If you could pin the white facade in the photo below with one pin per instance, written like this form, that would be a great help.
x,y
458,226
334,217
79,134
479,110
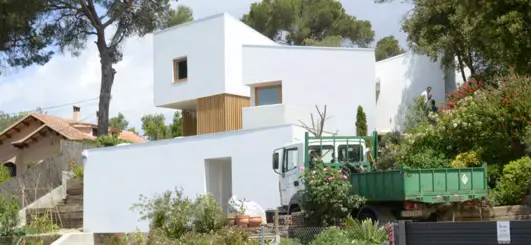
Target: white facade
x,y
224,164
341,78
402,79
226,57
213,50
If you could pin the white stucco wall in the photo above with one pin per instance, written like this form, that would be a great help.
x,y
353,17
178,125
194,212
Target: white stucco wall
x,y
237,34
275,115
202,42
403,78
116,176
340,78
213,47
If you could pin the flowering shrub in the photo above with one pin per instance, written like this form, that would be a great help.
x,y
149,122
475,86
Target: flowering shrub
x,y
327,198
466,160
467,89
492,118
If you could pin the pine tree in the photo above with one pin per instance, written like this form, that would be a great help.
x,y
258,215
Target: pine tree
x,y
361,122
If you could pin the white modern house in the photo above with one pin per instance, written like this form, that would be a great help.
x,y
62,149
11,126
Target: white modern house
x,y
242,96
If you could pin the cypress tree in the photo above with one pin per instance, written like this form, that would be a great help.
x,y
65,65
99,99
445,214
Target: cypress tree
x,y
361,122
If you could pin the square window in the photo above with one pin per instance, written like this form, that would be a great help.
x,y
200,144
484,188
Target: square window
x,y
268,95
180,70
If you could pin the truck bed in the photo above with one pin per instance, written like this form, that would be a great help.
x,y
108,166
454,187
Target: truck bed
x,y
437,185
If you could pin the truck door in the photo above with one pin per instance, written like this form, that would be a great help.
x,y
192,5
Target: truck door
x,y
290,168
278,167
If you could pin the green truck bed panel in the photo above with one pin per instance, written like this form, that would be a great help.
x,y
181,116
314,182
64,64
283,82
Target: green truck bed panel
x,y
422,185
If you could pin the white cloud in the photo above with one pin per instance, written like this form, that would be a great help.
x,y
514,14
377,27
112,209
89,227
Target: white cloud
x,y
67,79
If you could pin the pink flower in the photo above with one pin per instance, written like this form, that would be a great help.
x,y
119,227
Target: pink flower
x,y
388,228
301,168
345,177
330,179
324,169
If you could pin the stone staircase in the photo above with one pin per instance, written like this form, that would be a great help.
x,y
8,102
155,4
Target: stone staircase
x,y
67,214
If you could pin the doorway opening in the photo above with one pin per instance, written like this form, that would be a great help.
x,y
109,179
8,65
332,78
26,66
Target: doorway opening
x,y
218,173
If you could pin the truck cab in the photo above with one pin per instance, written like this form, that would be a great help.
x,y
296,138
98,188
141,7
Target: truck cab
x,y
290,161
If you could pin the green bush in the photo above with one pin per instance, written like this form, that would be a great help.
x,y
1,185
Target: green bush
x,y
514,183
466,160
170,213
355,232
367,232
209,216
493,118
327,198
286,241
176,219
426,158
108,140
42,224
332,235
5,174
9,218
389,146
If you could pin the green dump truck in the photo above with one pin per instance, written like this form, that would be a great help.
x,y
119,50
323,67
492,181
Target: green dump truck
x,y
414,194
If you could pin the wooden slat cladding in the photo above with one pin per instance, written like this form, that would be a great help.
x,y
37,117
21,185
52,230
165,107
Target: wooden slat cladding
x,y
233,111
220,113
189,123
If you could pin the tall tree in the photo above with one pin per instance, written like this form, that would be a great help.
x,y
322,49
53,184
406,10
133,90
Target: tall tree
x,y
308,22
119,122
433,30
487,37
361,122
23,37
110,22
183,14
176,127
387,47
7,120
133,129
155,128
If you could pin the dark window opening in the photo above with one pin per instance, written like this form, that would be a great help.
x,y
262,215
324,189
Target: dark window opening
x,y
180,69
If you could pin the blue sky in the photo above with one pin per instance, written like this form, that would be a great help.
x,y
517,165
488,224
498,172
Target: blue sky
x,y
67,79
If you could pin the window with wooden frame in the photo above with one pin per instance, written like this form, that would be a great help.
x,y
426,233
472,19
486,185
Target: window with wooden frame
x,y
268,95
180,69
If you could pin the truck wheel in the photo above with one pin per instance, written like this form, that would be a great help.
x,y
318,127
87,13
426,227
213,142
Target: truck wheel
x,y
380,214
366,213
294,209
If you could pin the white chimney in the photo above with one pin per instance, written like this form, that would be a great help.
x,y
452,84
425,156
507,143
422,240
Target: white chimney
x,y
77,109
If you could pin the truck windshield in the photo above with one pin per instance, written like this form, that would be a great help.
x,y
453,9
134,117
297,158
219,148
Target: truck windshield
x,y
327,155
351,154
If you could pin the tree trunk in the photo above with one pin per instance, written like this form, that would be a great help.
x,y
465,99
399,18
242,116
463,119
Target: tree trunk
x,y
107,80
461,68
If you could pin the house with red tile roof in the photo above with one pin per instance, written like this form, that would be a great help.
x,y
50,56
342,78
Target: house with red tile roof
x,y
37,137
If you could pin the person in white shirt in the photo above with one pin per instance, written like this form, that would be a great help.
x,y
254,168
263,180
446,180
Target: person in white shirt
x,y
426,95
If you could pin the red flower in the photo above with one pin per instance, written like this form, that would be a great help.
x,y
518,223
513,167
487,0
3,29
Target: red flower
x,y
516,118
